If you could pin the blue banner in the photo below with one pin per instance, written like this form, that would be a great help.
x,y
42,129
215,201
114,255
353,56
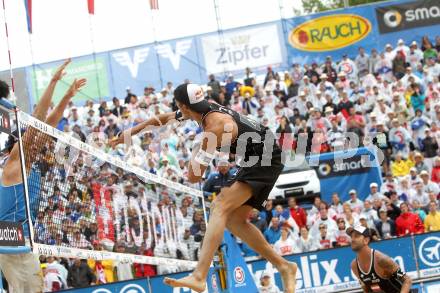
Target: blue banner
x,y
341,171
428,254
335,33
319,271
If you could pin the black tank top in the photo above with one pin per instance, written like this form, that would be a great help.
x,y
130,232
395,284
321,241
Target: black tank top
x,y
247,127
376,284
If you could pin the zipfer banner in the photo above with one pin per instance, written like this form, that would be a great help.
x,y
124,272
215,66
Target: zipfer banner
x,y
319,271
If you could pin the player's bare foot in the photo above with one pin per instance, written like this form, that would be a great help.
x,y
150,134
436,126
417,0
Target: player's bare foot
x,y
288,275
187,282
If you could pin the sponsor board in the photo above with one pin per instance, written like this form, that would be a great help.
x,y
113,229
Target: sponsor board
x,y
397,17
11,234
243,48
96,75
330,32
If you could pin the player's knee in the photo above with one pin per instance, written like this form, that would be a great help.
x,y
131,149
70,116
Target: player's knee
x,y
220,207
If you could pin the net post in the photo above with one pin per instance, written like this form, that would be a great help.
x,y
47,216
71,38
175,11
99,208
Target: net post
x,y
24,176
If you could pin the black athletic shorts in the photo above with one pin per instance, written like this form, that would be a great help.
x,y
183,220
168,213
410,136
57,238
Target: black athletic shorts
x,y
260,178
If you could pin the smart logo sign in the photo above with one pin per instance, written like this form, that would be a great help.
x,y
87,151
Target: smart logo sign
x,y
329,32
405,16
239,49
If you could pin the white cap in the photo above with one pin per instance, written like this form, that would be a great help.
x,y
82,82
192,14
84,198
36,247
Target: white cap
x,y
265,275
352,191
318,92
323,76
374,184
301,93
424,172
414,43
305,77
388,46
400,41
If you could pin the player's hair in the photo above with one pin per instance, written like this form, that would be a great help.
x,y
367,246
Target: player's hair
x,y
4,89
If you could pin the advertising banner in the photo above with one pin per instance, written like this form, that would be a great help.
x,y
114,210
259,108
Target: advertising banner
x,y
236,50
97,79
342,171
334,33
428,254
399,17
11,234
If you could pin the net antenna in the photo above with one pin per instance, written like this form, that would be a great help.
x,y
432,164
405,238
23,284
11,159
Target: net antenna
x,y
130,205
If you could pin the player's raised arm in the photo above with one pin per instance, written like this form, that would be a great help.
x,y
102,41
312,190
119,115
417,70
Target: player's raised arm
x,y
154,122
43,105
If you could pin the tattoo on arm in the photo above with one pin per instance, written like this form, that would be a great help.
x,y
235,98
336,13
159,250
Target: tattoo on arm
x,y
388,266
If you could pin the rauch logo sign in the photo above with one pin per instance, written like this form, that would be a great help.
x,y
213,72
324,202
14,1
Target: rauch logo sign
x,y
330,32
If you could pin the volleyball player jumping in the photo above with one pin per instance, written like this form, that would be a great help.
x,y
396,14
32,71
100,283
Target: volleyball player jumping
x,y
227,131
22,271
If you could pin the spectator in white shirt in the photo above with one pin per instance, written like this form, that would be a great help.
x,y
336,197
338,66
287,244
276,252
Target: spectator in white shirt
x,y
354,202
266,284
420,195
285,245
428,185
341,236
306,242
351,216
323,219
369,213
325,240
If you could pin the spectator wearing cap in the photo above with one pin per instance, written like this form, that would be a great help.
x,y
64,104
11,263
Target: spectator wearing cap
x,y
419,163
217,180
354,202
428,185
341,238
432,220
408,222
375,194
400,167
415,56
297,212
266,285
385,226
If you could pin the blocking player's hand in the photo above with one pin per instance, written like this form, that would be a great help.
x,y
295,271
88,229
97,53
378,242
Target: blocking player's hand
x,y
59,73
76,86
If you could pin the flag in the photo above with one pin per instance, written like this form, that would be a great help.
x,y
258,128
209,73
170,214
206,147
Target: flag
x,y
154,4
28,7
91,6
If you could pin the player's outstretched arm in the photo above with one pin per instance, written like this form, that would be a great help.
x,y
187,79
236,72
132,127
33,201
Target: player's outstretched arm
x,y
154,122
43,105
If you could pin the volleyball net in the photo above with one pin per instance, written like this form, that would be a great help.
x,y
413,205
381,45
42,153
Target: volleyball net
x,y
86,202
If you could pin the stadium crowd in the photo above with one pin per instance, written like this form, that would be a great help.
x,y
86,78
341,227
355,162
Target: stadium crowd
x,y
389,98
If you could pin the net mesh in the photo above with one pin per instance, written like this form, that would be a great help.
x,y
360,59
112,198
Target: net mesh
x,y
87,203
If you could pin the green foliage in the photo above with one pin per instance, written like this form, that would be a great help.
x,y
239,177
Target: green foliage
x,y
313,6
